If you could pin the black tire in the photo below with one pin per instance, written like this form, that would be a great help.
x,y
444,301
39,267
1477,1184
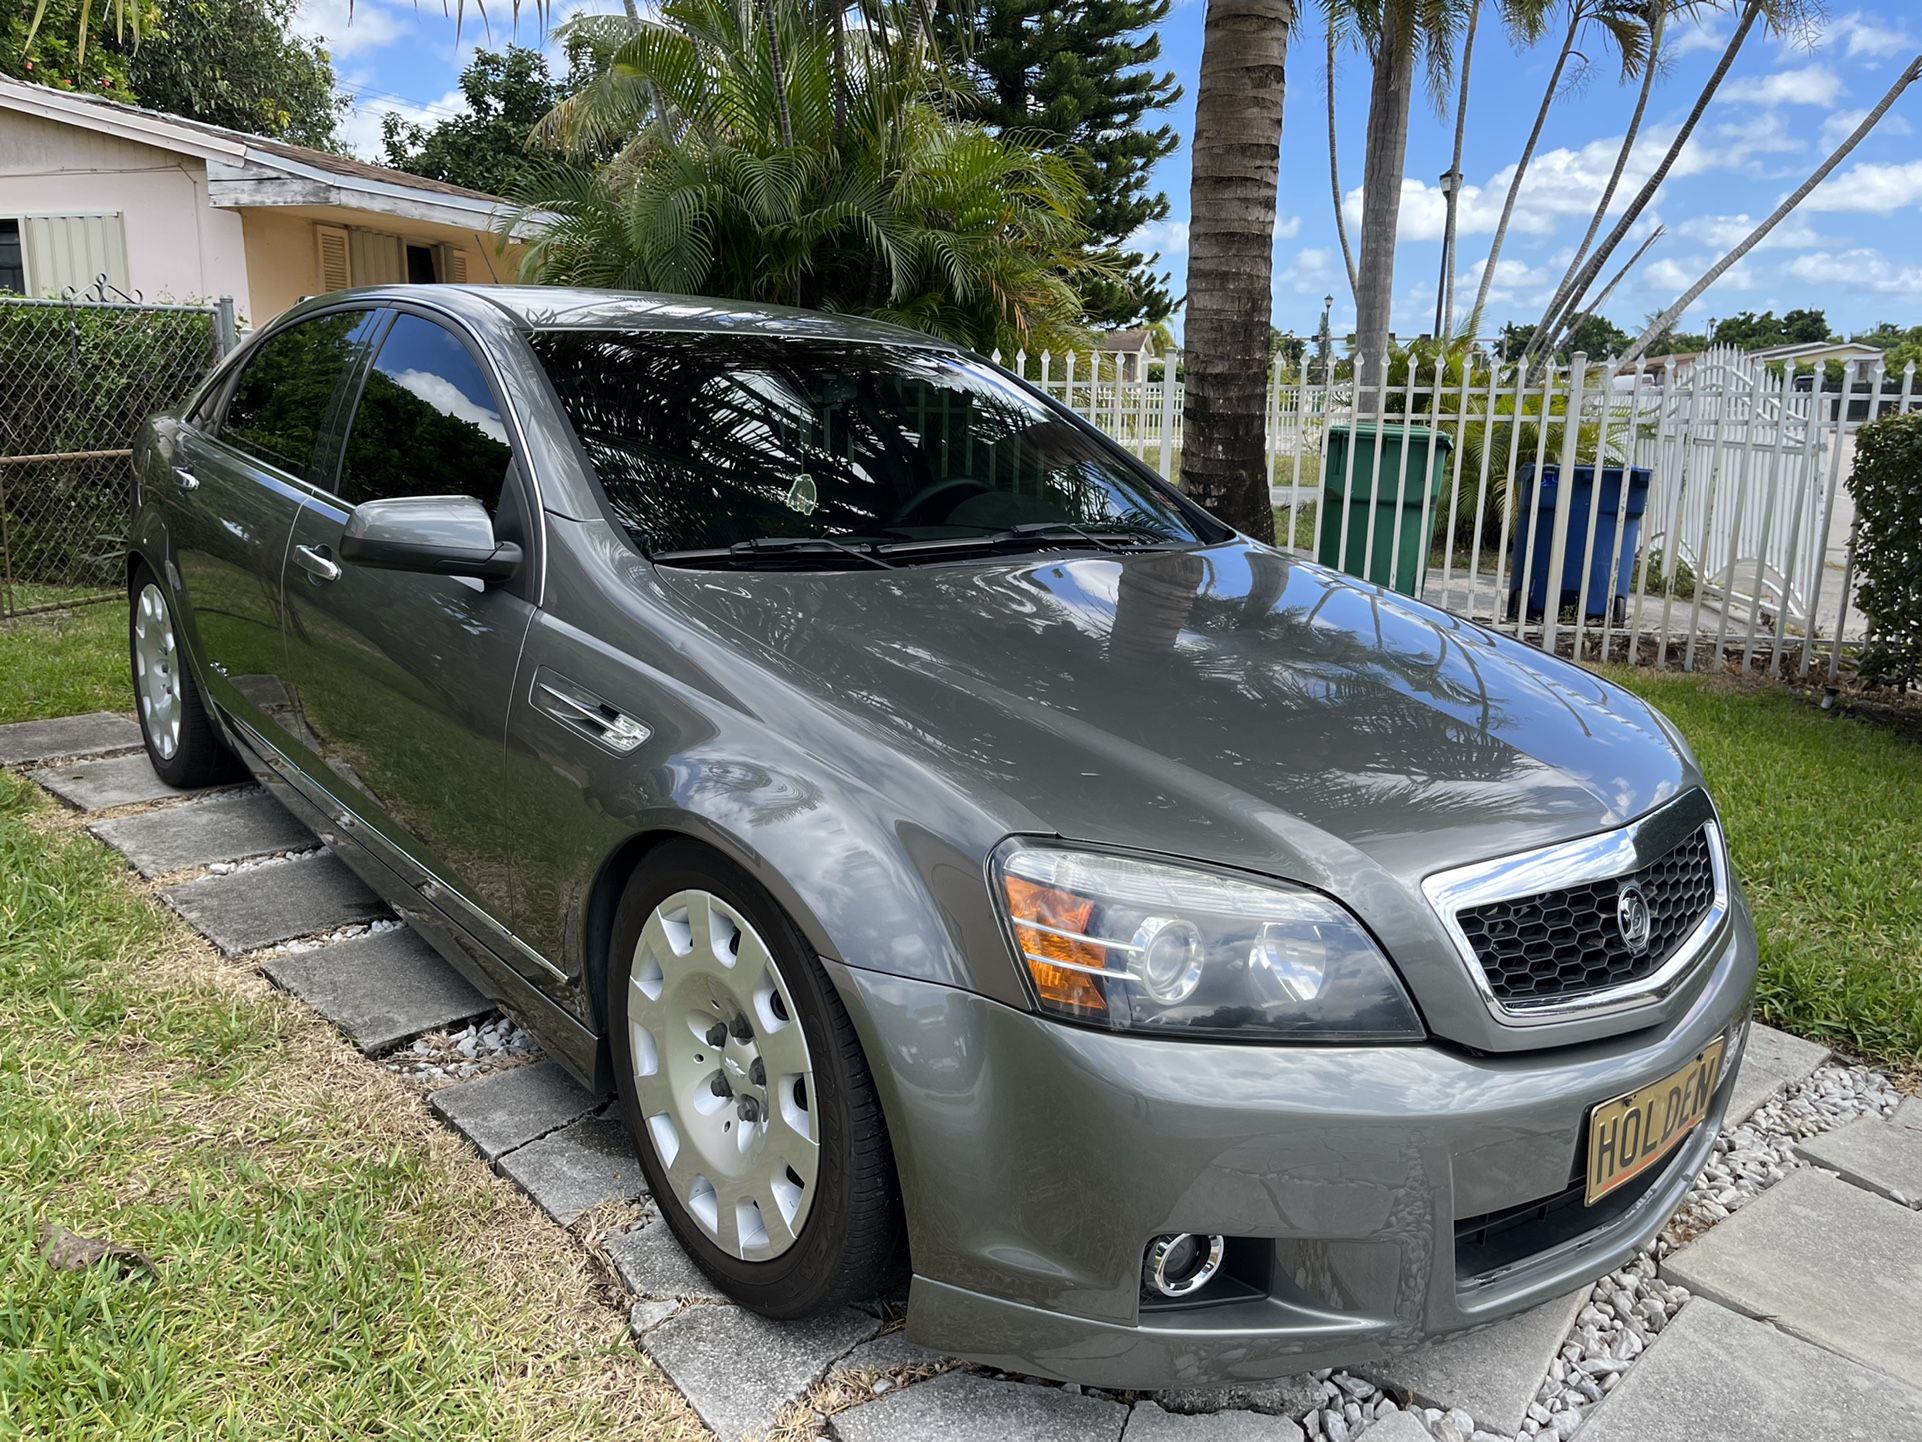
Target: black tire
x,y
849,1244
199,755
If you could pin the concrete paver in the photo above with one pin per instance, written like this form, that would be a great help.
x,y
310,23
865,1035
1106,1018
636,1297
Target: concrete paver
x,y
1823,1260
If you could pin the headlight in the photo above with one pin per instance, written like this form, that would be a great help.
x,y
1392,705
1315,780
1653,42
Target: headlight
x,y
1157,947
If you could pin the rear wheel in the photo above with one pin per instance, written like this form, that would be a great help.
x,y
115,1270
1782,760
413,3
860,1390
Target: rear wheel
x,y
182,742
746,1090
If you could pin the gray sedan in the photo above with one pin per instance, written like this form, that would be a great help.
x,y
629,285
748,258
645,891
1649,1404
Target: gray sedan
x,y
967,860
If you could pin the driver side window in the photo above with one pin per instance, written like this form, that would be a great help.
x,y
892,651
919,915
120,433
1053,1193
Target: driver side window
x,y
428,423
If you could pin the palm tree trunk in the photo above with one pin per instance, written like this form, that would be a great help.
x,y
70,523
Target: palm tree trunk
x,y
1455,169
779,73
1388,105
633,13
1667,318
1521,169
840,77
1231,257
1334,167
1593,266
1536,341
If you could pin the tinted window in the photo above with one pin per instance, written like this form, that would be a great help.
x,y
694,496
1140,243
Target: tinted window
x,y
701,441
427,423
13,267
280,400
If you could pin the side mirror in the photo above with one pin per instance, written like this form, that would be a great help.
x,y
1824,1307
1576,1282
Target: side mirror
x,y
442,535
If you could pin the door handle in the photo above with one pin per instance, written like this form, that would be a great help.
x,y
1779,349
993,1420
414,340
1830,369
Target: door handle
x,y
188,480
320,567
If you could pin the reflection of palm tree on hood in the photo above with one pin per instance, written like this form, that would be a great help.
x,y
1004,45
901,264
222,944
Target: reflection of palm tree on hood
x,y
1137,698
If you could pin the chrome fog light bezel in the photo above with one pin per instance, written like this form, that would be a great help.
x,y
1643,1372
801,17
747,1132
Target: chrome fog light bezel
x,y
1154,1266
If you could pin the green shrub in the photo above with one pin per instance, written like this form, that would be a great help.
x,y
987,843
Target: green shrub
x,y
80,378
1887,486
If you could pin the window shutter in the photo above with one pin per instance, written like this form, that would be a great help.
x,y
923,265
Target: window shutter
x,y
453,264
336,271
377,257
73,250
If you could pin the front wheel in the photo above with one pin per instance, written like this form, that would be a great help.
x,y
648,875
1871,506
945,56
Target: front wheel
x,y
182,743
746,1090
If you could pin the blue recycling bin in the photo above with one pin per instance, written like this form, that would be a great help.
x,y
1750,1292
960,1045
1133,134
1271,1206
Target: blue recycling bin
x,y
1591,529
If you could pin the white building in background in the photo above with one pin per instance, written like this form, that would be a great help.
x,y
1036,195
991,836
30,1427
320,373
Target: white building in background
x,y
171,209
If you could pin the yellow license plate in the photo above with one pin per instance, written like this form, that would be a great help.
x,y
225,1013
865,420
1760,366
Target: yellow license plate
x,y
1630,1134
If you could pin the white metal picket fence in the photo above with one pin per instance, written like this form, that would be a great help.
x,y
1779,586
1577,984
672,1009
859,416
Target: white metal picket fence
x,y
1743,552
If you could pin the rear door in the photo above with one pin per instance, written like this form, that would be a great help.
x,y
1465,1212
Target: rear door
x,y
400,681
237,481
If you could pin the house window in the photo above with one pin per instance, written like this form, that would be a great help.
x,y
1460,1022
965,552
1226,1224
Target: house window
x,y
420,265
13,267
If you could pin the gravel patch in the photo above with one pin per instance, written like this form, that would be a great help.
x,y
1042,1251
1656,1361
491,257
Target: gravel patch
x,y
485,1045
227,868
1629,1308
328,938
1750,1158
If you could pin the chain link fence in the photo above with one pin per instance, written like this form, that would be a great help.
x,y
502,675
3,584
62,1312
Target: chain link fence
x,y
77,376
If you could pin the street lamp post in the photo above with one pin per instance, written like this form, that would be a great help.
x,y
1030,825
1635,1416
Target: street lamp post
x,y
1451,181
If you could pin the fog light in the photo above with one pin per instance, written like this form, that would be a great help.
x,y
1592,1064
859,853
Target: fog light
x,y
1181,1263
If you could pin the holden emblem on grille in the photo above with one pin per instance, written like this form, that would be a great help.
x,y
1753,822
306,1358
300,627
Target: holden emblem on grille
x,y
1631,914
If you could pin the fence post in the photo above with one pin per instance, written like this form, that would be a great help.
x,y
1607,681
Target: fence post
x,y
1565,503
1170,360
225,332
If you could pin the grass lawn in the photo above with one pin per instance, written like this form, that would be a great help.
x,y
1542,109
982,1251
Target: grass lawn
x,y
63,663
1824,817
328,1261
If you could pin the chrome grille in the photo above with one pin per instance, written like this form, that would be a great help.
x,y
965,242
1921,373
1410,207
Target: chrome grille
x,y
1565,943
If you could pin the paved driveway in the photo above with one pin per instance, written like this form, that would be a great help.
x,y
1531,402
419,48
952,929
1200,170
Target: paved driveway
x,y
1780,1303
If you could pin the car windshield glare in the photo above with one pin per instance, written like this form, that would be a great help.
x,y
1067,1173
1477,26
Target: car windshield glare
x,y
704,442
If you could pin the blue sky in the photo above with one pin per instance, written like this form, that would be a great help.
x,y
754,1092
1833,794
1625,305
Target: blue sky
x,y
1854,250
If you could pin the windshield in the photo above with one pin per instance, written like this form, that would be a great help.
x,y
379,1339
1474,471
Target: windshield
x,y
704,443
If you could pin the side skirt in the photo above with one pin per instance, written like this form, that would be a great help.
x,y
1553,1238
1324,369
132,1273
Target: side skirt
x,y
578,1048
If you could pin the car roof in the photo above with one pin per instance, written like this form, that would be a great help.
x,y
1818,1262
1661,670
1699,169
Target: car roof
x,y
543,307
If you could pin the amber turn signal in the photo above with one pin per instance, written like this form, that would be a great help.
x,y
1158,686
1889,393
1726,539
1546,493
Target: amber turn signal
x,y
1040,913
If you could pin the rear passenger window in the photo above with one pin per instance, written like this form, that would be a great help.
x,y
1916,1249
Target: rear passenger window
x,y
280,402
427,424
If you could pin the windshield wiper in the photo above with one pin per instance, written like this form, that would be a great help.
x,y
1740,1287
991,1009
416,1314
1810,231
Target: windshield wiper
x,y
767,547
1026,534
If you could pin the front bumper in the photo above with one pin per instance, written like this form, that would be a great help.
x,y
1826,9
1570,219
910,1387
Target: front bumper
x,y
1037,1160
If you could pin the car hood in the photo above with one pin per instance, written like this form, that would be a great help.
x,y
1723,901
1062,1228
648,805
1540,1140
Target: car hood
x,y
1231,704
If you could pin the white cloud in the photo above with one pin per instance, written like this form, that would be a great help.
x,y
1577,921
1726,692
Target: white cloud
x,y
1313,270
360,128
1516,283
1160,237
1841,125
1671,276
1871,188
1863,38
444,396
1287,227
1806,85
1861,269
1703,34
1725,232
351,27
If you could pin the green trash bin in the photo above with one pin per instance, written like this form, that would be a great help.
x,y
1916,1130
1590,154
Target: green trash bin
x,y
1375,501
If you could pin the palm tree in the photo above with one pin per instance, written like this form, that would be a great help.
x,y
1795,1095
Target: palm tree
x,y
756,154
1781,16
1231,257
1659,324
1334,166
1657,27
1622,21
1396,34
1452,200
